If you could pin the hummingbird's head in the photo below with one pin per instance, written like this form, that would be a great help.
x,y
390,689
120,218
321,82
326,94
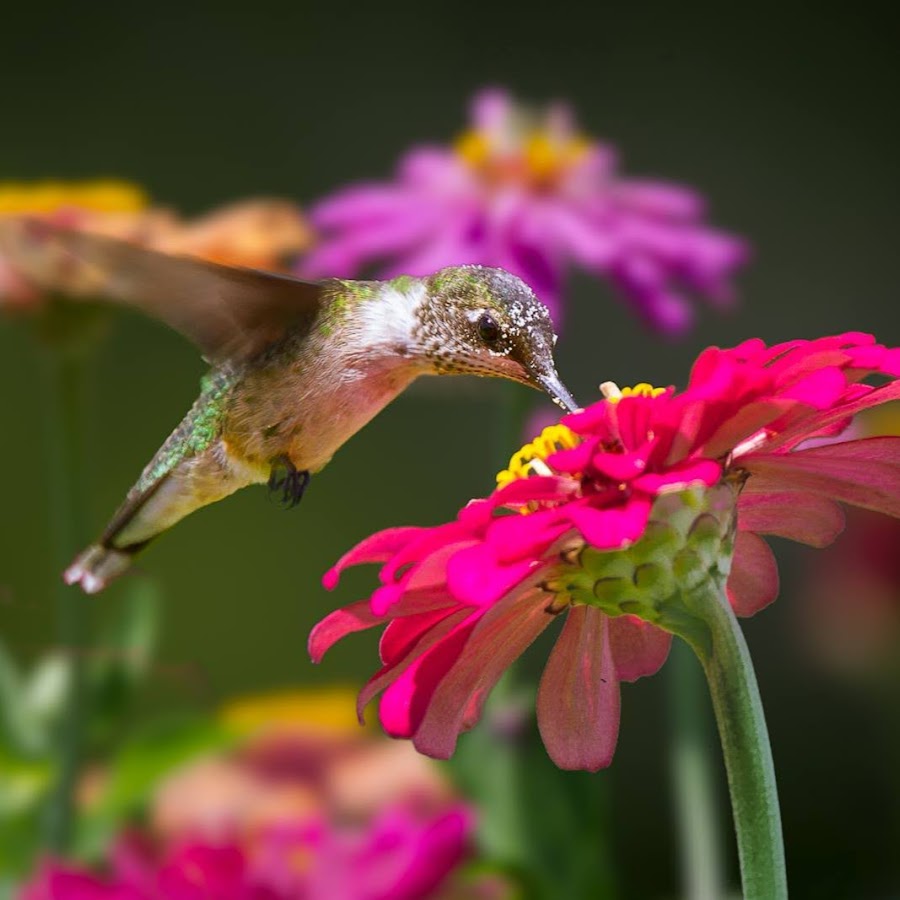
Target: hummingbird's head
x,y
481,321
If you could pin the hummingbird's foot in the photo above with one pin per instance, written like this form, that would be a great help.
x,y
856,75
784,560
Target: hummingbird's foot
x,y
288,482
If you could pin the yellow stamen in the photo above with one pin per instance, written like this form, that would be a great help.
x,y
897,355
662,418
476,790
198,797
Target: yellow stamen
x,y
535,156
473,147
45,197
530,460
613,394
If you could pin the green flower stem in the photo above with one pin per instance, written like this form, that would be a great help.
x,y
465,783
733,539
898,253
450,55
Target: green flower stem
x,y
695,785
723,652
65,411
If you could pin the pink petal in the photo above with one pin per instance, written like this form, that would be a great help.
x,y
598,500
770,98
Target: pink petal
x,y
619,466
638,648
806,518
477,577
431,572
526,490
404,704
613,527
503,633
575,459
518,537
746,421
819,389
420,546
578,698
815,424
376,548
401,635
418,644
863,473
356,617
680,476
753,581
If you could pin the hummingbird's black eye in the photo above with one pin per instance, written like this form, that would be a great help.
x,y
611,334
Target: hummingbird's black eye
x,y
488,329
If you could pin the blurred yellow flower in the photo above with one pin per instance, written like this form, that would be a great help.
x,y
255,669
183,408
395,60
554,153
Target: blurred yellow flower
x,y
258,233
327,711
102,195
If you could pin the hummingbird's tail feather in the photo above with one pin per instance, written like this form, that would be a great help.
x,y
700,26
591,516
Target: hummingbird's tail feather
x,y
153,506
97,566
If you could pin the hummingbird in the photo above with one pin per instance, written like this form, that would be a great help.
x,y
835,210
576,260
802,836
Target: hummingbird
x,y
297,367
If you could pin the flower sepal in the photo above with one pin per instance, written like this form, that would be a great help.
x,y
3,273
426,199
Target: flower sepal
x,y
688,541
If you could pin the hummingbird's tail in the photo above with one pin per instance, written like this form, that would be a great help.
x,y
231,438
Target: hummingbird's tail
x,y
159,500
95,567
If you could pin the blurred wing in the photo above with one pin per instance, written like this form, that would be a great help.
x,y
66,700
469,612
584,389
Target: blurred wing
x,y
230,313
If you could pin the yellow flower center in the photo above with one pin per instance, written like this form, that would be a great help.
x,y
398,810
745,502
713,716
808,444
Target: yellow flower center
x,y
535,157
613,394
530,460
45,197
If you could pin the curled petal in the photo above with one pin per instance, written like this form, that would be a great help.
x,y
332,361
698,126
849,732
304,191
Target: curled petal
x,y
355,617
578,698
753,582
806,518
376,548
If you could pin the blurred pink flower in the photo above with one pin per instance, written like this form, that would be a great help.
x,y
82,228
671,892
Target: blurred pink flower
x,y
615,512
530,194
397,856
849,611
190,872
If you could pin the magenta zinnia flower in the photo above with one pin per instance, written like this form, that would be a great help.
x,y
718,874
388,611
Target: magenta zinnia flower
x,y
613,519
399,855
530,194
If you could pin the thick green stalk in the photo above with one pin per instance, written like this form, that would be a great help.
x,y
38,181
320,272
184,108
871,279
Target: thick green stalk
x,y
65,409
723,652
695,781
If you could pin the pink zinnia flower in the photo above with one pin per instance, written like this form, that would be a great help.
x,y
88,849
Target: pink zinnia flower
x,y
530,194
628,507
399,855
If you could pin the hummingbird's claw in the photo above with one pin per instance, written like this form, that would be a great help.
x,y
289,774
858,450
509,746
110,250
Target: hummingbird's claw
x,y
289,480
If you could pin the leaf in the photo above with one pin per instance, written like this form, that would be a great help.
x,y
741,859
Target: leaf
x,y
136,770
47,689
23,782
19,733
122,655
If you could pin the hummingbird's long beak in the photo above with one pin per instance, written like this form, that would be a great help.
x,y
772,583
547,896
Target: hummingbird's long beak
x,y
558,392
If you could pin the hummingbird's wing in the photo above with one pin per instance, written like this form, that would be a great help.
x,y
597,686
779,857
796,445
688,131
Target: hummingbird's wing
x,y
230,313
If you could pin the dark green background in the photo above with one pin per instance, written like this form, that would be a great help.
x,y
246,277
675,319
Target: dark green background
x,y
784,117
